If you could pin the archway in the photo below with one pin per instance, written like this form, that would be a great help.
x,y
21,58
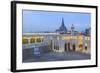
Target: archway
x,y
65,47
69,47
74,47
85,47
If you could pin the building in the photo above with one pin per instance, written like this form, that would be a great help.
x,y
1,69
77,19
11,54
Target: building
x,y
60,41
62,28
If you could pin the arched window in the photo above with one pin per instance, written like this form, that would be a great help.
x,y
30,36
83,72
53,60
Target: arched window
x,y
80,46
73,47
24,41
38,39
32,40
65,46
85,47
56,47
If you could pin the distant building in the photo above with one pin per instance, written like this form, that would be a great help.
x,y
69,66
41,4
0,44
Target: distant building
x,y
88,31
62,28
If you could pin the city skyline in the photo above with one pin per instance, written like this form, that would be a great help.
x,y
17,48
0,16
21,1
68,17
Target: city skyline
x,y
50,21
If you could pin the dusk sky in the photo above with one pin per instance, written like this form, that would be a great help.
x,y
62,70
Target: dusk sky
x,y
39,21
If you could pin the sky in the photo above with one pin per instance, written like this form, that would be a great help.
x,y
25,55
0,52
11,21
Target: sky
x,y
49,21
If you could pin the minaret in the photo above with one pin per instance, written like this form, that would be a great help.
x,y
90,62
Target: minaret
x,y
72,29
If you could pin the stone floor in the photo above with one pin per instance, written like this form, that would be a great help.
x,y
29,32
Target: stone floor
x,y
53,56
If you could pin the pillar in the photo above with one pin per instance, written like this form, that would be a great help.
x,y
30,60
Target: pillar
x,y
29,39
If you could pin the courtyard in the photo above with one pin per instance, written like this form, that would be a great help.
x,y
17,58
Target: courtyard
x,y
28,56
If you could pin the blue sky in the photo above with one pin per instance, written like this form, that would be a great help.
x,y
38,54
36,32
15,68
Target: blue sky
x,y
39,21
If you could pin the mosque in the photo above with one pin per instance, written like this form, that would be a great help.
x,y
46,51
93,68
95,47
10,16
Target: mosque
x,y
62,40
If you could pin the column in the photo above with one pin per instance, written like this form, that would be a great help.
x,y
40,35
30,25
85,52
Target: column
x,y
29,40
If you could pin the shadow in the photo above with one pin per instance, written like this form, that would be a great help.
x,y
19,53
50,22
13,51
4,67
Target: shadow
x,y
12,72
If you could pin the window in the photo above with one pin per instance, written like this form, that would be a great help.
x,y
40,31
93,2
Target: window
x,y
56,47
24,41
32,40
80,46
85,47
38,40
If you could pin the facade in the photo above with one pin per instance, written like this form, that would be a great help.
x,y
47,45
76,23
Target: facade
x,y
61,40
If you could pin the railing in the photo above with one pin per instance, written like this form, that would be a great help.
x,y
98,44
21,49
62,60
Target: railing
x,y
33,45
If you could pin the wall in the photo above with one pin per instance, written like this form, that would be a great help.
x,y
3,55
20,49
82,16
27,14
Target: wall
x,y
5,37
